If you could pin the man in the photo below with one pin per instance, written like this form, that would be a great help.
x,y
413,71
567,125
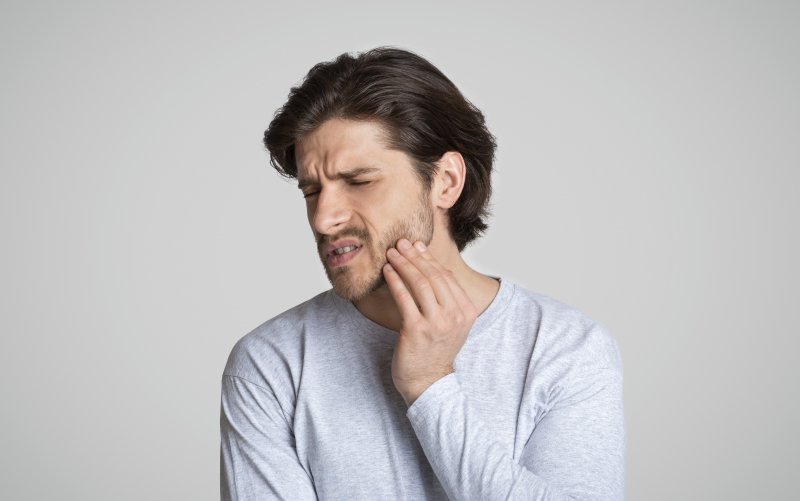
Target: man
x,y
415,376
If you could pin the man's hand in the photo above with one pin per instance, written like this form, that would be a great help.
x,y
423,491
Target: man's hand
x,y
437,316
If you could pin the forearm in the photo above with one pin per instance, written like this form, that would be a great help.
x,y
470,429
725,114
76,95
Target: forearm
x,y
471,464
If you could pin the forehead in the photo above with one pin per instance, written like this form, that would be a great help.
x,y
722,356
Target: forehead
x,y
340,143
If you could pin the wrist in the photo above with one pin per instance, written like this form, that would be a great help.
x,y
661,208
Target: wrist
x,y
418,389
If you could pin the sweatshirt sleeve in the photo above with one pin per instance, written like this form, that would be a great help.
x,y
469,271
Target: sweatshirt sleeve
x,y
258,459
576,451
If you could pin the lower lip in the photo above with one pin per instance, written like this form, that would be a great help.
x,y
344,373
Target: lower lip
x,y
335,260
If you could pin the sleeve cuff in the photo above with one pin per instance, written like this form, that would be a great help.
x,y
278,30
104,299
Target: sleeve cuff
x,y
442,390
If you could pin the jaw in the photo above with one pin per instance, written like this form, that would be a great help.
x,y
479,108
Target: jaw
x,y
357,280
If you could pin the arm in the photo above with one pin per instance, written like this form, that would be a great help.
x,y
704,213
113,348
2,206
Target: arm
x,y
258,459
576,451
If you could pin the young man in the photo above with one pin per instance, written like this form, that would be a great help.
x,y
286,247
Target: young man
x,y
415,376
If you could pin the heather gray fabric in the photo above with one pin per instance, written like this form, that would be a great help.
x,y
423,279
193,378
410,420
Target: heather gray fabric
x,y
533,410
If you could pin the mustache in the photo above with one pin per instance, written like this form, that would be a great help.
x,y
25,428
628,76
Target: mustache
x,y
360,234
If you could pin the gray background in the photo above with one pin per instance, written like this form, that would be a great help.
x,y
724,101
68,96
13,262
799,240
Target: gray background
x,y
647,174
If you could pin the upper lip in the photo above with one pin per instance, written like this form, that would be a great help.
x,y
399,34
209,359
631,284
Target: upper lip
x,y
341,243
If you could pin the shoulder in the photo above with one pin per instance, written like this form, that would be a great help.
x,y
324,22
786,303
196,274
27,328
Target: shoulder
x,y
277,344
566,338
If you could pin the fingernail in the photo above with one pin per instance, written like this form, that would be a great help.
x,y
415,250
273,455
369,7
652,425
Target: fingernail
x,y
420,246
404,244
392,252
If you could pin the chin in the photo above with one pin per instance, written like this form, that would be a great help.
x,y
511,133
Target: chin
x,y
355,290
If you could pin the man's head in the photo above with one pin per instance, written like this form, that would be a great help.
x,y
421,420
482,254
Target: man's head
x,y
361,198
424,113
392,111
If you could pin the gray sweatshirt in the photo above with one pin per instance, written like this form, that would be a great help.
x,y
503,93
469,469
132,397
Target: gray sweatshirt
x,y
533,410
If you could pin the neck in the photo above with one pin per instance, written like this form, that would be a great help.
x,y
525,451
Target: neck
x,y
379,306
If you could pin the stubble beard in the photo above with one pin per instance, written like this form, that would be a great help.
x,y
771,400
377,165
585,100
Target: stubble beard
x,y
352,287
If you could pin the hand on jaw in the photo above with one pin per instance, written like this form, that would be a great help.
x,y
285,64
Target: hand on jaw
x,y
437,316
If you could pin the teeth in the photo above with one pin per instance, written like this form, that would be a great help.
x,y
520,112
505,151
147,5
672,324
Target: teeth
x,y
342,250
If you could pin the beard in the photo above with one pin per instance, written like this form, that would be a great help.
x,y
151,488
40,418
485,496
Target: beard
x,y
353,285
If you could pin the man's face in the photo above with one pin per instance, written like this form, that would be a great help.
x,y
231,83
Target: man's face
x,y
361,197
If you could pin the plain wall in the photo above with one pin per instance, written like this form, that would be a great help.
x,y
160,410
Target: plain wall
x,y
647,174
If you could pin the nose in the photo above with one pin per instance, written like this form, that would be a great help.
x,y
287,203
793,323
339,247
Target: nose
x,y
331,212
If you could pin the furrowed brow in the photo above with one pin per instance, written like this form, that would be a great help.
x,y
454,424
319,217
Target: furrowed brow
x,y
305,183
348,174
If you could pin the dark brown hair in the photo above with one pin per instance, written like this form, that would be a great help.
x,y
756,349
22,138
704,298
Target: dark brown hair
x,y
423,112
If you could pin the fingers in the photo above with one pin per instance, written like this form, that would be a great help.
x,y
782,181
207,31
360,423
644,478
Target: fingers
x,y
426,279
402,296
432,267
427,284
457,292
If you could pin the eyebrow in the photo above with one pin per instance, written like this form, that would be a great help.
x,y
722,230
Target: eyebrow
x,y
348,174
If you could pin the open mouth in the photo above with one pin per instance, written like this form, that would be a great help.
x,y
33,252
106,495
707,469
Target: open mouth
x,y
345,250
342,255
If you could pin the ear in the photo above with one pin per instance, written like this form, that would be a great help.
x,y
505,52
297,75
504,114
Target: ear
x,y
448,180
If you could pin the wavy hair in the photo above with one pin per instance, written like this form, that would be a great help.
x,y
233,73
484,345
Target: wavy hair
x,y
423,112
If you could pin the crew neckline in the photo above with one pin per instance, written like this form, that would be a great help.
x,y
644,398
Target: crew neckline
x,y
368,327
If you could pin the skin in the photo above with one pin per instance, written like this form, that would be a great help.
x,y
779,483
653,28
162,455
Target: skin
x,y
425,291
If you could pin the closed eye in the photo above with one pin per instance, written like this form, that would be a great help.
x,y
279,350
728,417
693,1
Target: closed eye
x,y
352,183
